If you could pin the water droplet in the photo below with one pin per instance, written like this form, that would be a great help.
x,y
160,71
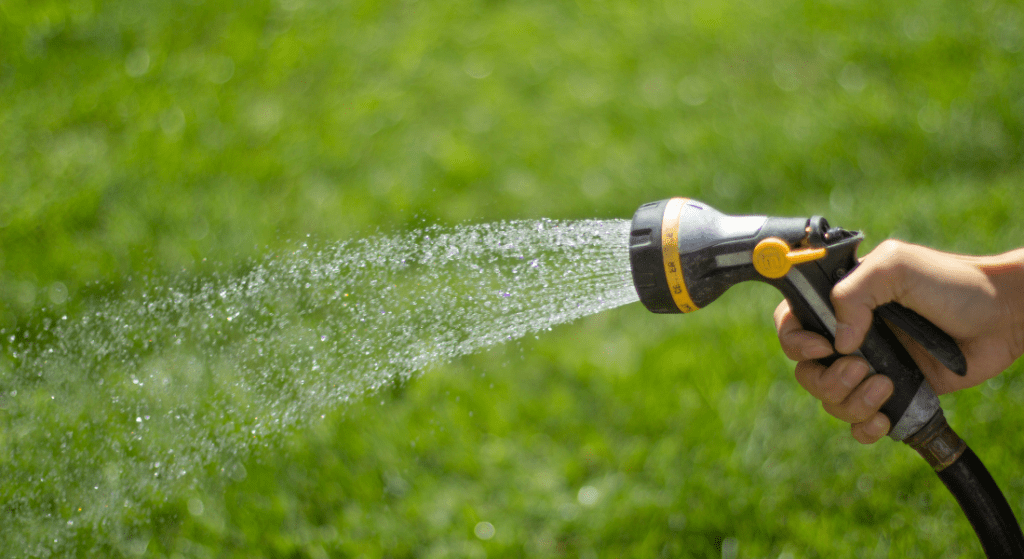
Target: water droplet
x,y
484,530
588,495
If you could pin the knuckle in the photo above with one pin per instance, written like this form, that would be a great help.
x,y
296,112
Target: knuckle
x,y
837,411
859,412
834,393
792,349
808,374
890,258
848,411
890,247
804,376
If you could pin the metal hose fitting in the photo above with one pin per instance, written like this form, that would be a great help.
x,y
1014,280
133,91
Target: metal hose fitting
x,y
937,442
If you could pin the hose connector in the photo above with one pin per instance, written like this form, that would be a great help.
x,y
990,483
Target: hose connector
x,y
937,443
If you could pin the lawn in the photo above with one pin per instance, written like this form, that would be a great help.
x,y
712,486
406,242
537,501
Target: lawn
x,y
157,139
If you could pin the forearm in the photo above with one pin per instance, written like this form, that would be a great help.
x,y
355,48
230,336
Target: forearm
x,y
1006,274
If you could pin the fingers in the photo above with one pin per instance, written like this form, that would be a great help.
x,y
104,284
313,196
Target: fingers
x,y
879,279
848,393
797,343
835,384
863,402
871,430
844,388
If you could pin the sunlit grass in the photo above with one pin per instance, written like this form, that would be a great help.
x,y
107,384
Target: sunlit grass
x,y
142,138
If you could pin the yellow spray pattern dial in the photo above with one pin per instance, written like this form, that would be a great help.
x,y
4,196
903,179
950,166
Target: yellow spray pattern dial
x,y
773,258
670,255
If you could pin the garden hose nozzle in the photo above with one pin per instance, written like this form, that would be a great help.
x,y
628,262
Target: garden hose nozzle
x,y
685,254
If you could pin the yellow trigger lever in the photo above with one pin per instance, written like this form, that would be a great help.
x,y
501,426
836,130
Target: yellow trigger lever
x,y
773,257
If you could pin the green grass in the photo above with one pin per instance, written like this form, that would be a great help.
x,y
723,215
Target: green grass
x,y
154,137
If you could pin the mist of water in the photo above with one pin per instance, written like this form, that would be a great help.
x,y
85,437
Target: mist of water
x,y
137,399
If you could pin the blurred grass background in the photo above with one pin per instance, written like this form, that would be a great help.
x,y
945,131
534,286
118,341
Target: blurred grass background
x,y
147,137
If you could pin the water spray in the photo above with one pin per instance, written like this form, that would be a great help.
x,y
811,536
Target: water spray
x,y
173,383
685,254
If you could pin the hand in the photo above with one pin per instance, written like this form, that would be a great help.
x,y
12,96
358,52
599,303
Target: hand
x,y
979,301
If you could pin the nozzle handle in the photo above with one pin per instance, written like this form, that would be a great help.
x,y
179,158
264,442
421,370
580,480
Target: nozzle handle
x,y
931,337
808,288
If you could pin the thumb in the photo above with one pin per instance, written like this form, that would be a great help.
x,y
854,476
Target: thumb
x,y
879,279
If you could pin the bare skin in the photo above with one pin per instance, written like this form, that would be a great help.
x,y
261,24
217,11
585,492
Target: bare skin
x,y
978,300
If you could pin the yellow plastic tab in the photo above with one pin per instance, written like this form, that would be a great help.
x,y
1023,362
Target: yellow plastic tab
x,y
773,257
670,255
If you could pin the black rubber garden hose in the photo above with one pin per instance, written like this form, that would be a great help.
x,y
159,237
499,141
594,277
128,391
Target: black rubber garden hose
x,y
973,487
984,505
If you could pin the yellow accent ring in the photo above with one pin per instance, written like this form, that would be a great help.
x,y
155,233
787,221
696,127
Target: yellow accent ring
x,y
670,255
773,257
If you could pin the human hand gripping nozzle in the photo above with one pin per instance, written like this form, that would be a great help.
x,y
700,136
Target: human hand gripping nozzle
x,y
685,254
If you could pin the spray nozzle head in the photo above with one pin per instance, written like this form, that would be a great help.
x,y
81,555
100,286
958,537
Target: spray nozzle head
x,y
654,257
677,246
684,254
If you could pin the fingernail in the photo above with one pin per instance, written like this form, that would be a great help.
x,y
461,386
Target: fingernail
x,y
853,374
817,349
876,394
